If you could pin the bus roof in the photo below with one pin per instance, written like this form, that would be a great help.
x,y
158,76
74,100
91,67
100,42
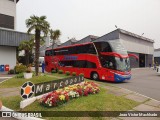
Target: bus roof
x,y
71,46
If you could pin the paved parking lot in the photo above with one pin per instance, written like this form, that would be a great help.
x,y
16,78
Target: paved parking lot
x,y
144,81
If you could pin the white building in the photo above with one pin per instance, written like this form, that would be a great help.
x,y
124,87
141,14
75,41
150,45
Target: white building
x,y
9,38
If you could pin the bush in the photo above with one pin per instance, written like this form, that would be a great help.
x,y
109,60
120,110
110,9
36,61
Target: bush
x,y
53,71
81,74
34,73
20,68
20,75
60,71
67,73
11,71
74,74
28,70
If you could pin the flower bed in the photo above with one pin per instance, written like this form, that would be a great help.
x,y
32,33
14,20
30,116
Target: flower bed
x,y
61,96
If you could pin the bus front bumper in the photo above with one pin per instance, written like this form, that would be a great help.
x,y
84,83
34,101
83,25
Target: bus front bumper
x,y
121,78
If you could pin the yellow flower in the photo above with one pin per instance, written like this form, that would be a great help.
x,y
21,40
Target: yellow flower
x,y
62,97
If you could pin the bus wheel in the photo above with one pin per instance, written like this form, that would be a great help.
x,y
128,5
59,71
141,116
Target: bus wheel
x,y
94,76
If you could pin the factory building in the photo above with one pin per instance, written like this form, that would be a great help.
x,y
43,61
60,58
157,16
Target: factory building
x,y
9,38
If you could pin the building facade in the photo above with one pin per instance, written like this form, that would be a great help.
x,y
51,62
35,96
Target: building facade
x,y
8,14
9,38
157,56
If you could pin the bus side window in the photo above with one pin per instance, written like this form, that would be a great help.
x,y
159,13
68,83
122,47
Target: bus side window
x,y
80,63
90,64
91,49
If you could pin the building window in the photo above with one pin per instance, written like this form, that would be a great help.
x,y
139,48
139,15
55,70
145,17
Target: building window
x,y
6,21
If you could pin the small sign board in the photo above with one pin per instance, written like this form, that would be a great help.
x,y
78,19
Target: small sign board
x,y
46,87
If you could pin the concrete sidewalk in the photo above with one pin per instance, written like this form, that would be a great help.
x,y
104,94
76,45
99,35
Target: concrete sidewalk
x,y
146,103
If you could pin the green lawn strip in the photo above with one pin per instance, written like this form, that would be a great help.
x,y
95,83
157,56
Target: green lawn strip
x,y
97,102
12,102
58,75
18,82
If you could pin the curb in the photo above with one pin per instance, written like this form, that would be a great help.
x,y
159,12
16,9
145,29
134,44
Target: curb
x,y
5,79
138,94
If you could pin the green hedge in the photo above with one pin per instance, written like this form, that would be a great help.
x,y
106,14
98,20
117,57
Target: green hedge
x,y
81,74
60,71
74,74
67,73
20,68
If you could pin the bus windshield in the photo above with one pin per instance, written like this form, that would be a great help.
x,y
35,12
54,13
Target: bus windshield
x,y
117,47
122,64
115,63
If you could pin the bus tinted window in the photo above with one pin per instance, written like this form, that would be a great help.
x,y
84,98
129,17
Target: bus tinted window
x,y
90,65
89,48
49,53
78,64
63,51
103,47
108,62
117,46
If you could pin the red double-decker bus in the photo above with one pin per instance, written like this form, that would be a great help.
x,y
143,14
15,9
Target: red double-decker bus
x,y
105,60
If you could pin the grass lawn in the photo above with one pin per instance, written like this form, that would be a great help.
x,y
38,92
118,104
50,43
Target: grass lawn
x,y
103,101
18,82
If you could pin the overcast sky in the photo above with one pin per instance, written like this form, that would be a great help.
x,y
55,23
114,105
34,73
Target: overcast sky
x,y
80,18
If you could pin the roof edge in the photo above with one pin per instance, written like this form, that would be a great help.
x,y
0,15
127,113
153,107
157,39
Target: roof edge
x,y
134,35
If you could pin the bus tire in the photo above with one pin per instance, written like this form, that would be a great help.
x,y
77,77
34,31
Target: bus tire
x,y
94,76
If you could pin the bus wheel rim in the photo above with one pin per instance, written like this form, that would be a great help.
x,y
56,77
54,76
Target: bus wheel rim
x,y
95,76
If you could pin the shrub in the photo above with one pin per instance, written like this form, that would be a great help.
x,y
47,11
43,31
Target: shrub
x,y
34,73
53,71
81,74
60,71
20,75
20,68
11,71
74,74
67,73
28,70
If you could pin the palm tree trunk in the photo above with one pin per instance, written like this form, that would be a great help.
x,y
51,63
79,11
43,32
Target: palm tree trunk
x,y
27,57
37,45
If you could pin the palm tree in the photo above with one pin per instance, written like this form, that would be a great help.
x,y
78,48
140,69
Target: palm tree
x,y
40,25
54,35
27,46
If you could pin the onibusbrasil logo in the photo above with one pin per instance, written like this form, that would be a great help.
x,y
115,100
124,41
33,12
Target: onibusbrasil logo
x,y
27,90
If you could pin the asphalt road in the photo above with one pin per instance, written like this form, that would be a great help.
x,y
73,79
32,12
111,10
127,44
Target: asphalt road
x,y
144,81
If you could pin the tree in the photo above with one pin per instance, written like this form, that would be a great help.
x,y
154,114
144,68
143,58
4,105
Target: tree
x,y
27,46
54,35
40,25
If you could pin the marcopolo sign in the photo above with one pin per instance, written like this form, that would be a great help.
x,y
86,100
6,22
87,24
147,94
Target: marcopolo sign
x,y
45,87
